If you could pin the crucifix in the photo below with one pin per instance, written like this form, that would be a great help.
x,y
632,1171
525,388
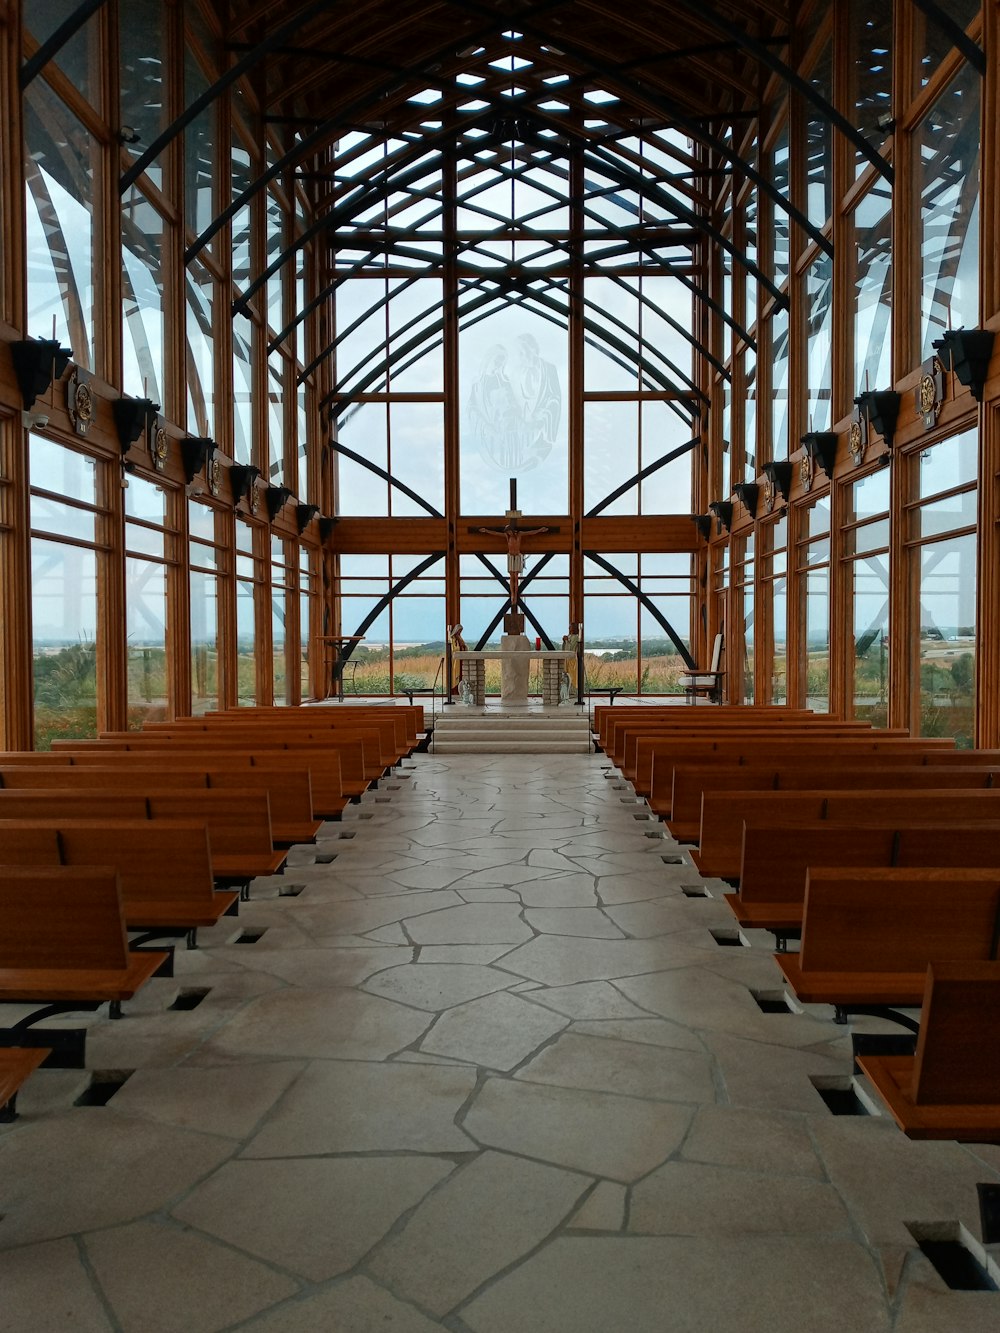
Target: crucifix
x,y
513,535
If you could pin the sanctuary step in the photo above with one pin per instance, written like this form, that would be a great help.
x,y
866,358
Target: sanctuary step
x,y
528,731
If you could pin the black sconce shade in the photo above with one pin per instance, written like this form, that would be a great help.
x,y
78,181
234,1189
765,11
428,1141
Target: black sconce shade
x,y
36,364
241,479
780,477
276,497
881,409
703,522
326,527
967,352
304,515
132,417
746,492
821,447
723,511
196,451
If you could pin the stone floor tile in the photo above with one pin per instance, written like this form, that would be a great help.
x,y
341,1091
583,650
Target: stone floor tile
x,y
927,1306
461,953
45,1289
346,1107
138,1267
627,1068
326,967
506,876
317,1218
356,1305
646,1031
708,1002
356,918
604,1210
119,1168
561,961
888,1180
772,1078
752,1141
634,888
599,1133
692,1199
686,1285
497,1031
393,934
353,1026
228,1100
561,891
485,1217
673,914
472,923
488,895
588,1000
585,921
438,875
436,986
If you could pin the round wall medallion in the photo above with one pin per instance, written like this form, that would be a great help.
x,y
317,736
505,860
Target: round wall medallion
x,y
214,473
159,445
80,403
253,498
807,471
856,442
770,494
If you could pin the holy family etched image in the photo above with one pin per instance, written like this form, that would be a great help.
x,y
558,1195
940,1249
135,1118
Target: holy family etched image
x,y
515,405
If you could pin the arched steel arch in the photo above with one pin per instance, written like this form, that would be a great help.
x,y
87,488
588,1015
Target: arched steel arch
x,y
327,129
642,597
383,602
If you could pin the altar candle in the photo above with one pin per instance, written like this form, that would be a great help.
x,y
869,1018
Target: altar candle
x,y
538,644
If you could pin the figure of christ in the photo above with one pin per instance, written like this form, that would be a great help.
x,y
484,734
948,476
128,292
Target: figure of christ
x,y
515,557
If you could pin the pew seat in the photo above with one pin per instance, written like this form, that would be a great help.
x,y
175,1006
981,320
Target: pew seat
x,y
17,1063
950,1087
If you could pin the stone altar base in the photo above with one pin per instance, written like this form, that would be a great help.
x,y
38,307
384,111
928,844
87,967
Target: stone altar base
x,y
514,674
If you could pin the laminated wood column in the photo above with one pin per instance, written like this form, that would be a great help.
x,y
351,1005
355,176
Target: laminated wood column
x,y
452,411
576,388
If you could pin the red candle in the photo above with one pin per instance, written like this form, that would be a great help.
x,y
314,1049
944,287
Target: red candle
x,y
538,644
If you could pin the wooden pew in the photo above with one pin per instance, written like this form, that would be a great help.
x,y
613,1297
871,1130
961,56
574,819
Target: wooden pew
x,y
290,794
16,1064
238,821
320,770
773,869
382,752
606,717
411,714
868,934
357,765
950,1087
656,759
63,947
789,773
164,866
720,847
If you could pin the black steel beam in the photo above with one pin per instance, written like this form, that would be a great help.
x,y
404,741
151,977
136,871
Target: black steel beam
x,y
383,602
34,66
381,472
642,474
650,606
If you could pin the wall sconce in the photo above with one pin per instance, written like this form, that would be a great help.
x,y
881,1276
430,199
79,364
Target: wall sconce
x,y
196,451
276,497
779,481
703,522
723,511
304,515
326,527
967,352
132,417
746,492
821,447
241,479
880,409
37,362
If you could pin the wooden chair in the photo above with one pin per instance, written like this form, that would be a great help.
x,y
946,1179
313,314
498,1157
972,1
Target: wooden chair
x,y
950,1087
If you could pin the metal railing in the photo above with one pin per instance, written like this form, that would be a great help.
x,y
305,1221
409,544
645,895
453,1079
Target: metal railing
x,y
438,674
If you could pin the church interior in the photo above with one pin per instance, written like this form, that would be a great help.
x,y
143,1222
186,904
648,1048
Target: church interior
x,y
499,666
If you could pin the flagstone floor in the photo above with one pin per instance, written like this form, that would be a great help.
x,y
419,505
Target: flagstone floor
x,y
487,1070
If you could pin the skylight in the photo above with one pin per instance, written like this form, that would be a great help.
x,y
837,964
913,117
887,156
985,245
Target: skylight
x,y
425,97
477,105
469,80
599,97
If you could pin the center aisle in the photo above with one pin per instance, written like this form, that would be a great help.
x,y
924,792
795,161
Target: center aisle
x,y
490,1070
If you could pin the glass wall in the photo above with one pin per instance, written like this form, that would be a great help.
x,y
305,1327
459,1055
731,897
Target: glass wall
x,y
66,530
149,553
812,561
866,566
207,561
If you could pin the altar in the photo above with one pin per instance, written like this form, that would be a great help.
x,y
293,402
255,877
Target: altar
x,y
515,664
